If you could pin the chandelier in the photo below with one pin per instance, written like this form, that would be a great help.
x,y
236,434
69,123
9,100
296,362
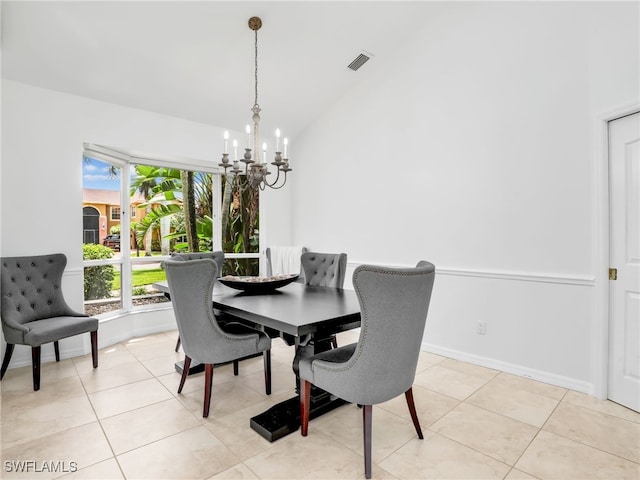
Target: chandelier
x,y
255,169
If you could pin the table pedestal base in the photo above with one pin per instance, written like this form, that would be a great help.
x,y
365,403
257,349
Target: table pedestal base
x,y
284,418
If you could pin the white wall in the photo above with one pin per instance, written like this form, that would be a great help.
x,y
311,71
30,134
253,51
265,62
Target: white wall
x,y
472,148
41,184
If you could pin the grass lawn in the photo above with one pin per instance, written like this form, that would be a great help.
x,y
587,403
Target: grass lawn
x,y
141,277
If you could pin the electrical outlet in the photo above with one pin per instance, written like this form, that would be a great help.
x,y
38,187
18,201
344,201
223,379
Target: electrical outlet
x,y
481,327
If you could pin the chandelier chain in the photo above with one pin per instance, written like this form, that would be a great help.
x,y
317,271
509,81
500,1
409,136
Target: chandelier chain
x,y
256,68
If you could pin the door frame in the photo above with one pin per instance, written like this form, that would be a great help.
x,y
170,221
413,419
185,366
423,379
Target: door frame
x,y
601,227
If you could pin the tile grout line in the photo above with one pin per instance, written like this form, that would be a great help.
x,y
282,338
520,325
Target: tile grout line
x,y
536,436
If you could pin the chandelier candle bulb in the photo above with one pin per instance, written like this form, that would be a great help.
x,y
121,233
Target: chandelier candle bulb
x,y
248,130
226,141
235,150
286,142
277,139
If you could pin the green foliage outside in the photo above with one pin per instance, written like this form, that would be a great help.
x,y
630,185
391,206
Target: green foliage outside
x,y
192,225
139,291
240,232
164,189
140,278
97,280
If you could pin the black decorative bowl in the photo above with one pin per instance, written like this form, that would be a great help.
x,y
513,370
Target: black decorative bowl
x,y
264,286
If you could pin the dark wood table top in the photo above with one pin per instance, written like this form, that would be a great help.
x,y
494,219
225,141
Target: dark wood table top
x,y
295,309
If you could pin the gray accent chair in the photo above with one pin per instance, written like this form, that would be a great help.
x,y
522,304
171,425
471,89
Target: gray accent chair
x,y
324,270
34,311
394,304
191,284
217,256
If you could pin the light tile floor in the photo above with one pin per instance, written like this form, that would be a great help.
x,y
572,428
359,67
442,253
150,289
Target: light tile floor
x,y
125,420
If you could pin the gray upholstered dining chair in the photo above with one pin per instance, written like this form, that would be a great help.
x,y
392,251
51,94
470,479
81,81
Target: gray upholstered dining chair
x,y
34,311
218,257
324,270
382,365
191,284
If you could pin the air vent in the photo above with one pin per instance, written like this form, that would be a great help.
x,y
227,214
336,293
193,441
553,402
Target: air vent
x,y
360,60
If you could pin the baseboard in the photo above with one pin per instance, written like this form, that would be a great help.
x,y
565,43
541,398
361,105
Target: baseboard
x,y
519,370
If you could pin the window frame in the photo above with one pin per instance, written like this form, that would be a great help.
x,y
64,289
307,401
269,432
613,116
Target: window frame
x,y
113,210
125,160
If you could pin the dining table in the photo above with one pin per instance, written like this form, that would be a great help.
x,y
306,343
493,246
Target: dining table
x,y
307,318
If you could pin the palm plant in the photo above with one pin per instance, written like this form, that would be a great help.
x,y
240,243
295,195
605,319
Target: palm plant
x,y
187,196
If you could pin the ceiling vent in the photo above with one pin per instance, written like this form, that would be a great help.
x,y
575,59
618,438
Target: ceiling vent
x,y
360,60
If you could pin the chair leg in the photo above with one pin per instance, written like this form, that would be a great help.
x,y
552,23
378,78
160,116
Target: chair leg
x,y
35,362
367,411
94,348
305,401
7,357
334,341
412,410
266,357
178,344
208,377
185,372
56,348
235,367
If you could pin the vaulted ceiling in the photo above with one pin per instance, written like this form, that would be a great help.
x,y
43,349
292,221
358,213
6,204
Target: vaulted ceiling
x,y
195,60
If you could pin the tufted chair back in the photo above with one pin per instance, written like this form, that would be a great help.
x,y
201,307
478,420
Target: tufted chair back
x,y
217,256
324,269
33,309
32,290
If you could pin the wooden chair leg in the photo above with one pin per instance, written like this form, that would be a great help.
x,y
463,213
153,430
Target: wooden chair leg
x,y
185,372
208,377
35,363
7,357
56,349
94,348
412,410
305,403
367,411
235,367
266,357
178,344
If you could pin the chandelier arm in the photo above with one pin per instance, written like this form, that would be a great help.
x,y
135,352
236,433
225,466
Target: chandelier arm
x,y
283,183
272,185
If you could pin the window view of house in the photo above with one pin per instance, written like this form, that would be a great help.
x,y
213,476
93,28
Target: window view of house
x,y
172,210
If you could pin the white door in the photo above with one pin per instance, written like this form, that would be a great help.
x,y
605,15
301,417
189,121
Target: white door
x,y
624,292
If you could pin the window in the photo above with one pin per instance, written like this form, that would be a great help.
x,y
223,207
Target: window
x,y
122,266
